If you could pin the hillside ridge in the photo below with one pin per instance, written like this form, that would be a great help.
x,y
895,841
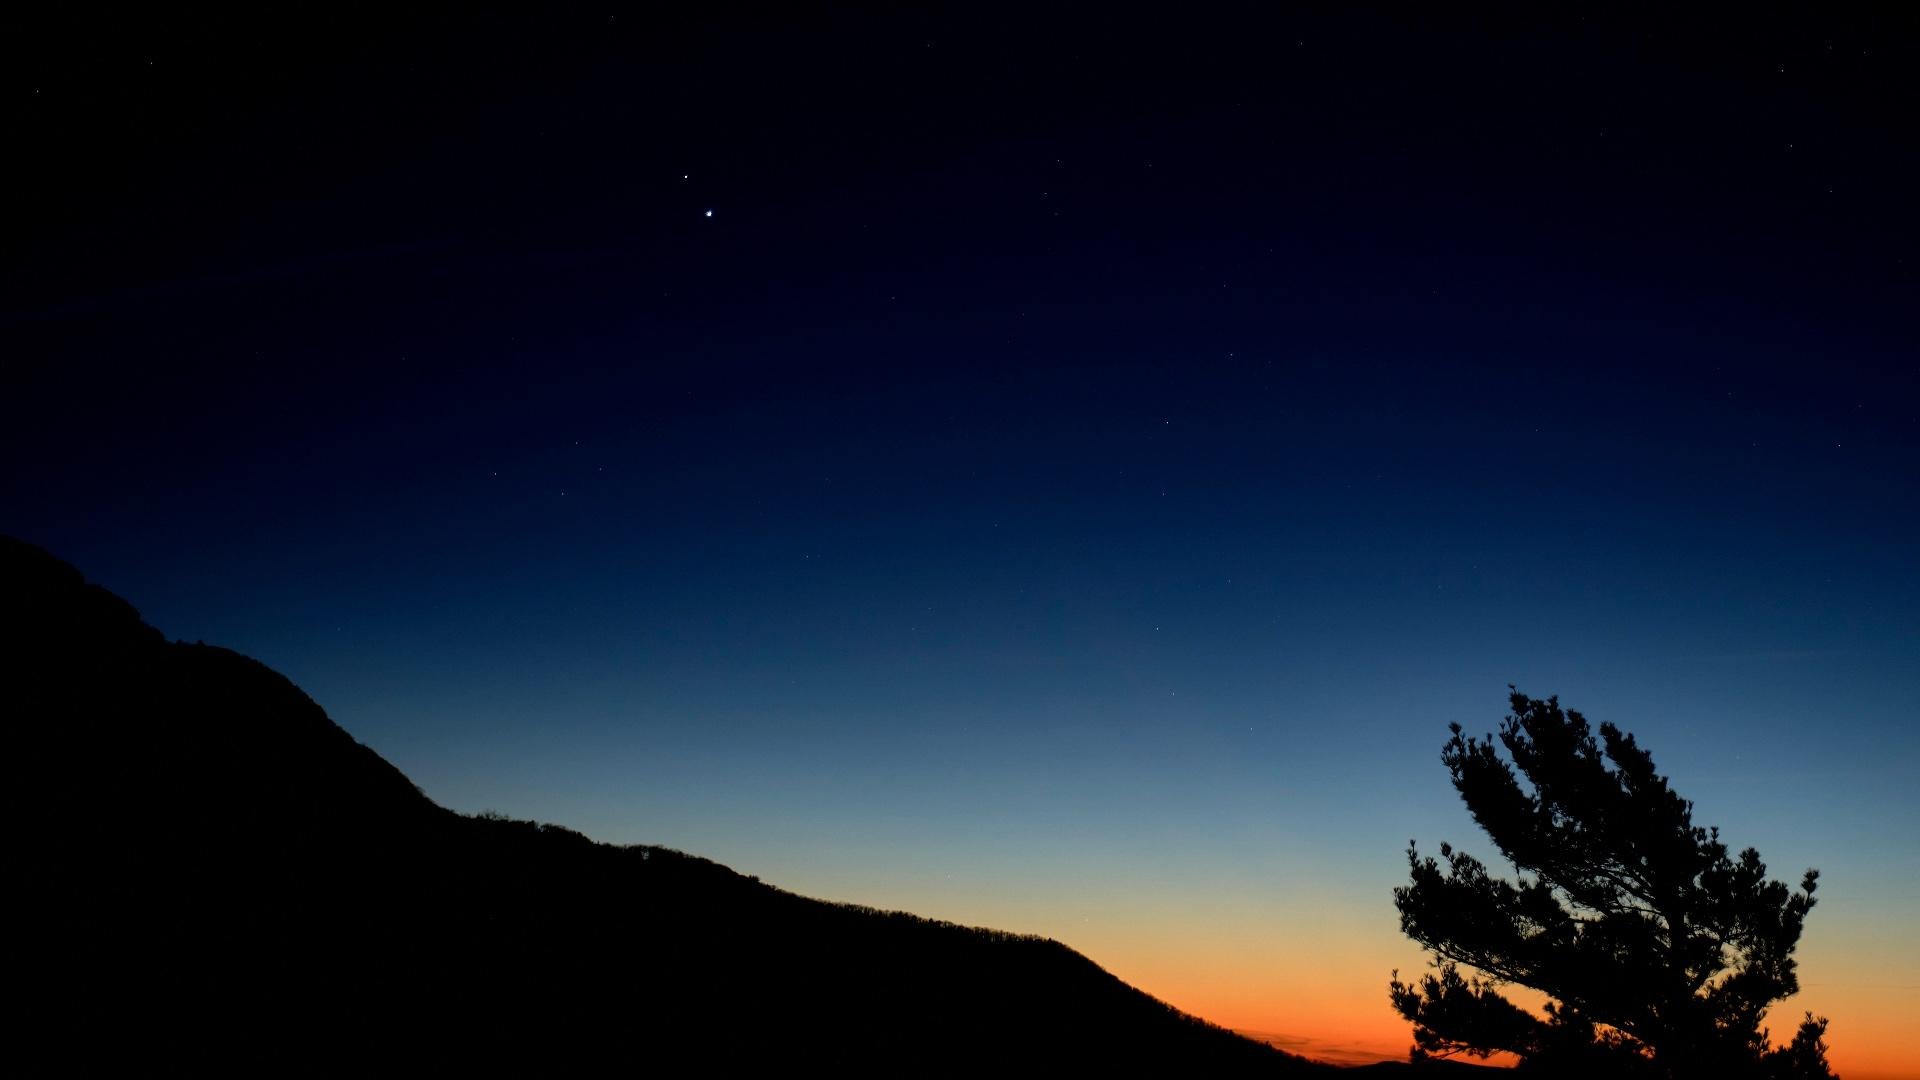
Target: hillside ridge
x,y
232,879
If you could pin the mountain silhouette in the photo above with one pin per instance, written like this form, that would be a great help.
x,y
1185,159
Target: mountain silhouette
x,y
217,875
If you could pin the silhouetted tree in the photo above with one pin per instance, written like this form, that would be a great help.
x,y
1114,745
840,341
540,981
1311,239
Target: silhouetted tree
x,y
1658,950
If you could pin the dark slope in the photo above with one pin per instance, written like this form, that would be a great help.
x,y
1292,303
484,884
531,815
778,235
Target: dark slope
x,y
217,874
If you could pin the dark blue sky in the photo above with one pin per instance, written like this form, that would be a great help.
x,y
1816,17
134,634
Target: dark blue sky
x,y
1062,440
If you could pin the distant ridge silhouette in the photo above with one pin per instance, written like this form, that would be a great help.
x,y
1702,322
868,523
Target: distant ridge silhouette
x,y
219,877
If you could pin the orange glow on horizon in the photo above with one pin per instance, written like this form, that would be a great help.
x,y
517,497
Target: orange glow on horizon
x,y
1309,974
1870,1036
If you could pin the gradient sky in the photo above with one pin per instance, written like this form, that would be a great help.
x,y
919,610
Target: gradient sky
x,y
1070,479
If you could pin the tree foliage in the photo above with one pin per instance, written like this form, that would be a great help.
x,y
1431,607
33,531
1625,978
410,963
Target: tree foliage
x,y
1659,950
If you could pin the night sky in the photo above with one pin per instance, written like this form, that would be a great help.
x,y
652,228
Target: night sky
x,y
1055,472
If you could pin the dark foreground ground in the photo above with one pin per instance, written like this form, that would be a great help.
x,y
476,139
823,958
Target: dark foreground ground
x,y
216,875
